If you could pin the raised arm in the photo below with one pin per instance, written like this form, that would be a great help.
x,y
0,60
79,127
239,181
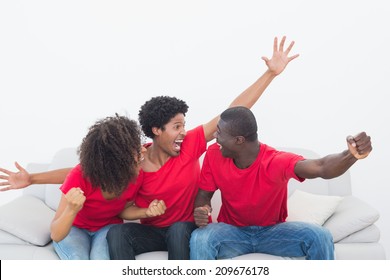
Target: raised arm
x,y
334,165
248,98
22,179
70,205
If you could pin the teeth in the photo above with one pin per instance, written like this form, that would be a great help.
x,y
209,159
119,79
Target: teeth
x,y
178,141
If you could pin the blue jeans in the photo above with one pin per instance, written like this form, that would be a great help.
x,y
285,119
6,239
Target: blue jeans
x,y
289,239
127,240
81,244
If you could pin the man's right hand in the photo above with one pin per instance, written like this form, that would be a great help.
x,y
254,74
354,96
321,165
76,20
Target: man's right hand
x,y
14,180
201,215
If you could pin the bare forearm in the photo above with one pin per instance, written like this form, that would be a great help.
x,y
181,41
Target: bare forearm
x,y
133,213
337,164
50,177
250,96
60,227
203,198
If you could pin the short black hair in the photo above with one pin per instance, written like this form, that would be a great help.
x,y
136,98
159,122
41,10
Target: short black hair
x,y
110,152
158,111
242,122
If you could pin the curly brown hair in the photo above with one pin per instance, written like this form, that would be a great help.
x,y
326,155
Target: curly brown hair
x,y
110,153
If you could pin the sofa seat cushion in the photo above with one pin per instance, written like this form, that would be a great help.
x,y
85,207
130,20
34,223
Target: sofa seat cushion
x,y
352,215
27,218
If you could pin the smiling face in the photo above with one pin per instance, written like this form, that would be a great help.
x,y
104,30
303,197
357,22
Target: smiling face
x,y
226,142
170,138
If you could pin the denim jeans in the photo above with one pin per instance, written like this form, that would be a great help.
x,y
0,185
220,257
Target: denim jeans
x,y
289,239
127,240
81,244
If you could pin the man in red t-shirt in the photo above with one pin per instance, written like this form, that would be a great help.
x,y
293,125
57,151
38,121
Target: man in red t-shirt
x,y
252,178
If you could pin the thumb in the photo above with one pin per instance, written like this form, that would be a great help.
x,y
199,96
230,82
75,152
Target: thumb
x,y
19,167
351,141
265,59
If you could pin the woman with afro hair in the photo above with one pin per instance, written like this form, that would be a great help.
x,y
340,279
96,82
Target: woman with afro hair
x,y
99,192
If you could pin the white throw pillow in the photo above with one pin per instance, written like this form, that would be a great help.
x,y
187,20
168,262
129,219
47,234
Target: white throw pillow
x,y
351,216
311,208
27,218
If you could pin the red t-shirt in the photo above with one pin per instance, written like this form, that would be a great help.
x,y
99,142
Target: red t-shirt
x,y
255,196
97,212
176,182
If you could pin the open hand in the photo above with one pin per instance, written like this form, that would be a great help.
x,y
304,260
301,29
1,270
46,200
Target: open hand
x,y
280,57
14,180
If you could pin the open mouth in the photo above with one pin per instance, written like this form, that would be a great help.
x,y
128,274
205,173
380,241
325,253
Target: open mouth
x,y
177,144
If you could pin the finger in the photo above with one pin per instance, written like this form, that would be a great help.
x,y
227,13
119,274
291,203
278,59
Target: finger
x,y
19,167
200,211
4,189
351,141
162,203
293,57
6,171
361,138
275,44
365,148
4,183
154,202
160,208
4,177
289,47
265,59
281,46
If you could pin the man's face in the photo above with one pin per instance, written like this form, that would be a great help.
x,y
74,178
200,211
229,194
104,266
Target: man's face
x,y
171,138
225,141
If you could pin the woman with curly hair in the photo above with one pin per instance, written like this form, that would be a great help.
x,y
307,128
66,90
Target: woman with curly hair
x,y
99,191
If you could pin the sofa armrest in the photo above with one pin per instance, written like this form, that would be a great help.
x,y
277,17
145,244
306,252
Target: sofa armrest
x,y
351,215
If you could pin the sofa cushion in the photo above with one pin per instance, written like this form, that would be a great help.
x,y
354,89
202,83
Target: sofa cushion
x,y
370,234
311,208
351,216
8,238
28,218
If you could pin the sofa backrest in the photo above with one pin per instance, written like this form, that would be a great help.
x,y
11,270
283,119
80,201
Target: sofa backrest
x,y
51,193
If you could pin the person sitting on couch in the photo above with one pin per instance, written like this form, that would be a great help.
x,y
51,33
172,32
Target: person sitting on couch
x,y
99,192
252,178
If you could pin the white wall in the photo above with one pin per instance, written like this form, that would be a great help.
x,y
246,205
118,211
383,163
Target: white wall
x,y
64,64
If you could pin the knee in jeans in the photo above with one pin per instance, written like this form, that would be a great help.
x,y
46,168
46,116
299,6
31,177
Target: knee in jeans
x,y
181,228
320,234
114,232
202,236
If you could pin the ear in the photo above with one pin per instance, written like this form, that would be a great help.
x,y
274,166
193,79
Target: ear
x,y
156,131
240,140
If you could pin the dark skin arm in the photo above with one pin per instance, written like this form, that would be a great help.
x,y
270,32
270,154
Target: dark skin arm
x,y
202,209
334,165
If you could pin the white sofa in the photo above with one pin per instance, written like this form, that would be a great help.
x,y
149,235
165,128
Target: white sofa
x,y
25,221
